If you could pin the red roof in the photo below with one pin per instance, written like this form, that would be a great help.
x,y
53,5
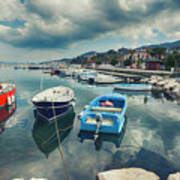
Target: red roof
x,y
90,61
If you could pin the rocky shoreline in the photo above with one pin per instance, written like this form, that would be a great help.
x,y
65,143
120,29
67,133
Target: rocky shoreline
x,y
132,174
169,86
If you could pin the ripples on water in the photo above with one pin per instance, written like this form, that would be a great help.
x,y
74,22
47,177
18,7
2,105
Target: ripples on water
x,y
29,148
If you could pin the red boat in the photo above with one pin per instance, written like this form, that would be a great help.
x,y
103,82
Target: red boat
x,y
7,93
5,113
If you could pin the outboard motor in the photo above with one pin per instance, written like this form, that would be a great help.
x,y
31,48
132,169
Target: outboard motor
x,y
99,119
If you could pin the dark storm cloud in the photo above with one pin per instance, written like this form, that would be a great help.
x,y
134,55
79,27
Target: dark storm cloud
x,y
65,27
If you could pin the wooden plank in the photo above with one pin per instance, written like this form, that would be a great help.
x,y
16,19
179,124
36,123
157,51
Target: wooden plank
x,y
106,109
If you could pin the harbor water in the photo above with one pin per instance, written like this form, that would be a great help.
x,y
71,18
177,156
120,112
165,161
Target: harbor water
x,y
150,139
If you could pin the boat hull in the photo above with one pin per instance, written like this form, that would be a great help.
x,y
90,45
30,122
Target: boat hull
x,y
48,110
4,96
115,129
7,111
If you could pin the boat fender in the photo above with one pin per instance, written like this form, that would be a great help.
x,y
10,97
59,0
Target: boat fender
x,y
9,100
13,99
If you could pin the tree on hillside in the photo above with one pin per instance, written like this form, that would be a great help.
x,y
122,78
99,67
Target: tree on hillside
x,y
148,50
111,51
172,60
159,51
98,62
128,61
177,59
114,62
107,59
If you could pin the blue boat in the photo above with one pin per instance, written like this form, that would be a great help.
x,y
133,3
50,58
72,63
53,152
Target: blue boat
x,y
133,87
106,114
103,138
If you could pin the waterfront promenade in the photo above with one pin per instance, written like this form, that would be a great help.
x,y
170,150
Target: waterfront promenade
x,y
132,73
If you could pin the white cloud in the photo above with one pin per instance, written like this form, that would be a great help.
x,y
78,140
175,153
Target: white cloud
x,y
60,24
168,22
10,10
131,5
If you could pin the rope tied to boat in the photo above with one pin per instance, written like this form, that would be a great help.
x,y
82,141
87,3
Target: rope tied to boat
x,y
54,115
60,145
53,135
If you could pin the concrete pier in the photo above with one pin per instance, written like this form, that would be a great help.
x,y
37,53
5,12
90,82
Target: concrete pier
x,y
136,71
122,75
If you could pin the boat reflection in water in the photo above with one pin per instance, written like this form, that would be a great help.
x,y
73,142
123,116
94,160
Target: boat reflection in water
x,y
44,132
5,113
145,94
113,138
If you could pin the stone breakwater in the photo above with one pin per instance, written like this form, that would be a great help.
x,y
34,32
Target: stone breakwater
x,y
170,86
132,174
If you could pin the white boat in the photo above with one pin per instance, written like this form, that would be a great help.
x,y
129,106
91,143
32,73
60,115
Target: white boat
x,y
84,75
133,87
53,102
106,79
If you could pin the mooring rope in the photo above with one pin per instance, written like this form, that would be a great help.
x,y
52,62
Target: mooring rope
x,y
54,117
53,135
59,143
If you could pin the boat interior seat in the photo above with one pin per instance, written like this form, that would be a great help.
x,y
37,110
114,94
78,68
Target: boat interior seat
x,y
106,109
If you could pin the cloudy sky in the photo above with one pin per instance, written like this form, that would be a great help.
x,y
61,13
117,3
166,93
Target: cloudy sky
x,y
36,30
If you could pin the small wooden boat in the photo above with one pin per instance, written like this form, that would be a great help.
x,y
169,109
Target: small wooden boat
x,y
53,102
7,93
85,75
133,87
105,79
105,114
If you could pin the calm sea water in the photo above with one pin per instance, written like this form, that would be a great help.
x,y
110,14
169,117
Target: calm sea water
x,y
151,139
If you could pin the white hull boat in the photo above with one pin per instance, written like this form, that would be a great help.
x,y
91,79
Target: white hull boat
x,y
133,87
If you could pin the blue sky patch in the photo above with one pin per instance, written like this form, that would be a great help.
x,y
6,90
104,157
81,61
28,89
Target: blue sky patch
x,y
13,24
